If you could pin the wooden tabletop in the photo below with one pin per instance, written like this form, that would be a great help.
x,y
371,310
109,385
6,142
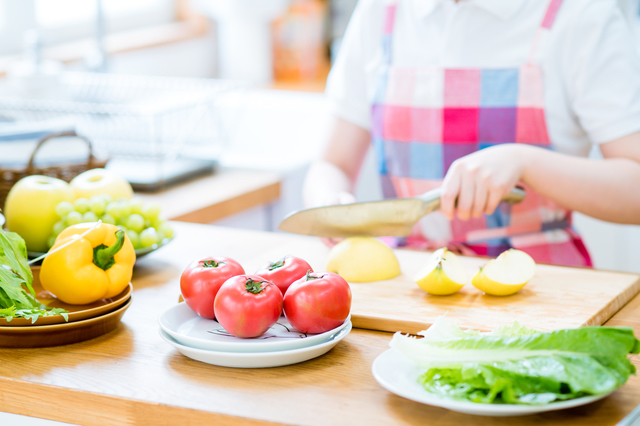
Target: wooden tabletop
x,y
131,376
213,197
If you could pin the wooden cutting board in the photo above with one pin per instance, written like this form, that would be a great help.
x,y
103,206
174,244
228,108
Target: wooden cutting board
x,y
557,297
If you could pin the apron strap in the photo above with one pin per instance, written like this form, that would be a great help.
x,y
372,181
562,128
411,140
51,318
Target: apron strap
x,y
387,33
543,29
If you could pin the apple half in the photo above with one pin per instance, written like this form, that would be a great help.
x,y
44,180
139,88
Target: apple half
x,y
506,274
363,259
443,274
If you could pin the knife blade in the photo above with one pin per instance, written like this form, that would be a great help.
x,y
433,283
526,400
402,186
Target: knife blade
x,y
393,217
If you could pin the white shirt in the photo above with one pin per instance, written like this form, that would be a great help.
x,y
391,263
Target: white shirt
x,y
589,62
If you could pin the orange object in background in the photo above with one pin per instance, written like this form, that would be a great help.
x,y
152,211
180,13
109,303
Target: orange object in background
x,y
299,43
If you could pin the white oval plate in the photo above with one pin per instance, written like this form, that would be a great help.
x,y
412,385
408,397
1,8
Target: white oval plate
x,y
187,328
258,359
399,375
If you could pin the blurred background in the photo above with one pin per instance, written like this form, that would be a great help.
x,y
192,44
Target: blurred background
x,y
169,90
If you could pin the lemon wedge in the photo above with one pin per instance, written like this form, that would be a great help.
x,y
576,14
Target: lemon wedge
x,y
506,274
443,274
363,259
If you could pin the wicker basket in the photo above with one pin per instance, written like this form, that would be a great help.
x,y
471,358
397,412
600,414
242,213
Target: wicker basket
x,y
66,172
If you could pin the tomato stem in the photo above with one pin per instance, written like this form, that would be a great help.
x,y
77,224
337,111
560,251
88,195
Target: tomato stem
x,y
211,263
254,287
310,277
277,264
103,255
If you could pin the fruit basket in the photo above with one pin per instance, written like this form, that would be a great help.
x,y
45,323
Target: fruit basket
x,y
66,172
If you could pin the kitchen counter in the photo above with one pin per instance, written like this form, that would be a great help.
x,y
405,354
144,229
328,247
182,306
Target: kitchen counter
x,y
131,376
217,196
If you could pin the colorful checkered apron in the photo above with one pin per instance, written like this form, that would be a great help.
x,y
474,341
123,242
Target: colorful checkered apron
x,y
425,118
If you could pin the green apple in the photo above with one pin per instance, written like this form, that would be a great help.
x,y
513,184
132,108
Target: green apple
x,y
30,208
101,181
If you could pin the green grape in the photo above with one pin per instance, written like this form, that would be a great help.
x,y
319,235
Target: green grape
x,y
64,208
107,218
98,205
124,228
134,237
122,200
51,241
82,205
148,237
157,223
58,227
136,205
89,217
73,218
125,209
106,197
151,212
113,209
147,224
166,229
135,222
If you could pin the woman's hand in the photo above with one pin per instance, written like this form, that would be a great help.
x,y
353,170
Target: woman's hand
x,y
478,181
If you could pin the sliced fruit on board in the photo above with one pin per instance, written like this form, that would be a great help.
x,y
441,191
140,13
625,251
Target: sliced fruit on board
x,y
506,274
443,274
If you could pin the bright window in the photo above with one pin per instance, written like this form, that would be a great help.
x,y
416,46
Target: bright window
x,y
66,20
56,13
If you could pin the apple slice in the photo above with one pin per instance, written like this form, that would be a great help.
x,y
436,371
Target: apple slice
x,y
506,274
443,274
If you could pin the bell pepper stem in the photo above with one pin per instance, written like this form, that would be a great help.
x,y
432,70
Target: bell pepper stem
x,y
103,255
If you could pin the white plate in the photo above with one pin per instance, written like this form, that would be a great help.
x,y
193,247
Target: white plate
x,y
187,328
399,375
258,359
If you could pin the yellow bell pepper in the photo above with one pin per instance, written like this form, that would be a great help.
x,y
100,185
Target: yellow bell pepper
x,y
97,266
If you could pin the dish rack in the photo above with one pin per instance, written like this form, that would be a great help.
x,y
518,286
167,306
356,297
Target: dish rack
x,y
149,117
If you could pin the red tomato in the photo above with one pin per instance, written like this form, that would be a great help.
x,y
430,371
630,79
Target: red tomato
x,y
247,305
203,278
284,272
318,302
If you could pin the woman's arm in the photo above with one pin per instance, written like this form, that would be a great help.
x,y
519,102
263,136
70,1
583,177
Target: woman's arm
x,y
330,180
607,189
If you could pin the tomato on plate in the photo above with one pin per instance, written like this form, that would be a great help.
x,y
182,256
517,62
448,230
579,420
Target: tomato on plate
x,y
247,305
202,279
284,272
318,302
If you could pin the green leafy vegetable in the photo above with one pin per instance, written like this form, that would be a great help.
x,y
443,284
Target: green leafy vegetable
x,y
17,298
517,365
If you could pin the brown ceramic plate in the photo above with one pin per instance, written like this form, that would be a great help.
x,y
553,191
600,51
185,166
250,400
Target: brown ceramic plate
x,y
61,334
76,312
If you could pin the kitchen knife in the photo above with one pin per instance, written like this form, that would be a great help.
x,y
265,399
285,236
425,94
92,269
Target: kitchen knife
x,y
393,217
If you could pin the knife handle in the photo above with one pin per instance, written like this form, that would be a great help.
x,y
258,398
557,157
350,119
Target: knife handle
x,y
432,198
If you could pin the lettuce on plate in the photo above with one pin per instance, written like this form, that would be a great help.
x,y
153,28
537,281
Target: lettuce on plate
x,y
518,365
17,298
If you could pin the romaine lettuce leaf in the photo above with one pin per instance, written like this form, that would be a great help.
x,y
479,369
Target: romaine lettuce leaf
x,y
17,298
515,364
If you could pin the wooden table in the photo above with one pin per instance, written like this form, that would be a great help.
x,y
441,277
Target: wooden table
x,y
213,197
131,376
